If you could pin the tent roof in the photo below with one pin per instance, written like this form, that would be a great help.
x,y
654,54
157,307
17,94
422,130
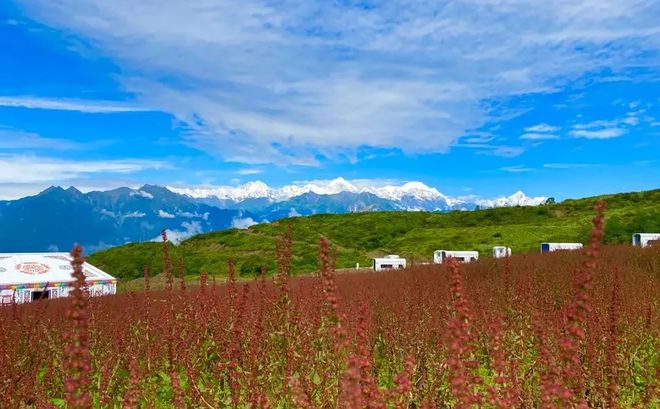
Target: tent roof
x,y
42,268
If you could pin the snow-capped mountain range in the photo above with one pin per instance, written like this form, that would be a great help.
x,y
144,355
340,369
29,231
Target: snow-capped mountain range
x,y
407,196
104,219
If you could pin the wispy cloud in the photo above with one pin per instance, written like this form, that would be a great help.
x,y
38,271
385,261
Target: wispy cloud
x,y
643,162
249,171
332,77
12,139
568,165
516,169
541,128
507,151
538,136
610,128
39,169
603,133
478,138
78,105
493,150
631,120
540,132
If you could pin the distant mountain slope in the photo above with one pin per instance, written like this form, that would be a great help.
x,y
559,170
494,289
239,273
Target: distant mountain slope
x,y
56,218
312,203
359,236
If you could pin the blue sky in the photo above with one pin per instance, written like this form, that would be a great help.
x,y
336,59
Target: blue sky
x,y
473,97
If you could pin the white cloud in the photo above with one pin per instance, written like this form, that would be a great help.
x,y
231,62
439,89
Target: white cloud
x,y
249,171
540,132
506,151
607,129
479,139
568,165
164,215
283,82
133,215
631,120
516,169
538,136
108,213
40,169
190,215
11,139
541,128
294,213
605,133
242,223
142,193
78,105
177,236
601,123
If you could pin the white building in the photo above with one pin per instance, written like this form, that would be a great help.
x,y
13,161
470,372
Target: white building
x,y
25,277
439,256
501,252
389,262
645,239
548,247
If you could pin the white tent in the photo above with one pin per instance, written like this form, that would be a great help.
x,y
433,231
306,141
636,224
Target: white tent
x,y
645,239
25,277
439,256
389,262
548,247
501,251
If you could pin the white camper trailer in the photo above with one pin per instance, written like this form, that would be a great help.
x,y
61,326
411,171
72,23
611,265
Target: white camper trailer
x,y
501,251
439,256
548,247
645,239
26,277
389,262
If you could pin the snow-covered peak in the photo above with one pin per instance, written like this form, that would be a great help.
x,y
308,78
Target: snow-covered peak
x,y
258,189
197,193
410,192
415,189
339,185
517,199
250,190
326,187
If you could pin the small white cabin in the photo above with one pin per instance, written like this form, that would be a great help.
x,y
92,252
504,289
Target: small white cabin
x,y
26,277
501,252
389,262
645,239
548,247
439,256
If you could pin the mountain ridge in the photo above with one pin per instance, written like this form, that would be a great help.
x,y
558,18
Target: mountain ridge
x,y
57,217
414,191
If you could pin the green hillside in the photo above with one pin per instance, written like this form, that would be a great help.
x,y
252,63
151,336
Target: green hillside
x,y
357,237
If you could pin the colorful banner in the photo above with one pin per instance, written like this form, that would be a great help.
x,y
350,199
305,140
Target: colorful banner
x,y
51,285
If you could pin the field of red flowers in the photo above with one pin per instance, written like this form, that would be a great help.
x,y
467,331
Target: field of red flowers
x,y
555,330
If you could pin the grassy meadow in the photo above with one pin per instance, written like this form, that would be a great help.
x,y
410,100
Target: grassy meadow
x,y
357,237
